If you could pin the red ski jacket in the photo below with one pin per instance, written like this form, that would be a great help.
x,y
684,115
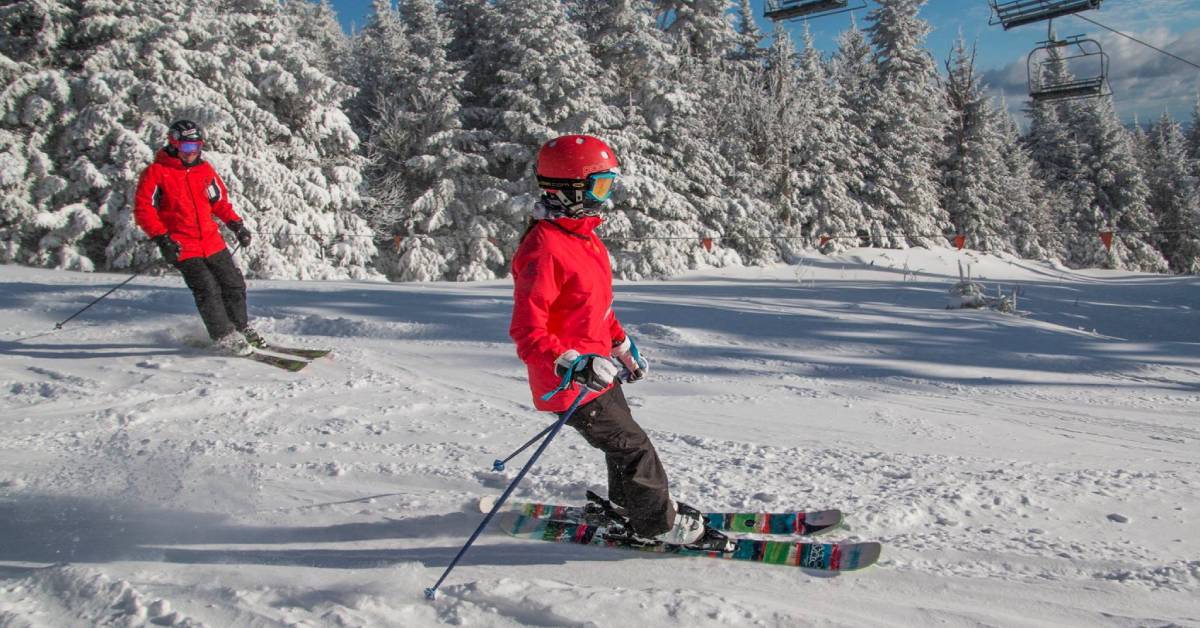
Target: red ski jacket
x,y
181,200
562,300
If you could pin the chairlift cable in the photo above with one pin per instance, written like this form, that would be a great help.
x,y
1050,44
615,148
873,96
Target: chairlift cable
x,y
1132,38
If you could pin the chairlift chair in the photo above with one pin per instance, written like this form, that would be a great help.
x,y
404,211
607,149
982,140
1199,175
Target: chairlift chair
x,y
1020,12
797,9
1045,89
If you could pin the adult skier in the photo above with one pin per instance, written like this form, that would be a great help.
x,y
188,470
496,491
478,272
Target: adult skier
x,y
177,197
562,309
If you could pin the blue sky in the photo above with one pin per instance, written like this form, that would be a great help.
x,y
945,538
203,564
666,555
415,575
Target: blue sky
x,y
1145,83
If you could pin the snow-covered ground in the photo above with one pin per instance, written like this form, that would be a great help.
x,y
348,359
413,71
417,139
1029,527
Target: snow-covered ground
x,y
1038,470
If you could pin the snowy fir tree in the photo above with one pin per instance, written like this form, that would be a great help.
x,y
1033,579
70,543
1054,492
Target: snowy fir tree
x,y
975,180
276,133
734,148
1194,132
1032,228
1174,196
854,75
749,37
652,229
316,25
39,223
908,128
378,53
422,157
828,166
1118,192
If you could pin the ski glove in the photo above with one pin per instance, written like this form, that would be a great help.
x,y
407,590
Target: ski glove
x,y
242,233
168,247
595,372
635,366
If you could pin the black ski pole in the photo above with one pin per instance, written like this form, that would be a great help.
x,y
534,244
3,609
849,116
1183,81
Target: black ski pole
x,y
498,465
114,289
431,592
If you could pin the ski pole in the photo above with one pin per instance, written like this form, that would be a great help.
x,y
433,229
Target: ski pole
x,y
431,592
114,289
498,465
117,287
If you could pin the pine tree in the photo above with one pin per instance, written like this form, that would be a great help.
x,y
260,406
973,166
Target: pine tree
x,y
749,37
36,99
1058,154
379,52
1031,225
702,27
975,179
1194,133
1118,192
855,75
653,228
1174,195
422,156
907,129
826,168
315,23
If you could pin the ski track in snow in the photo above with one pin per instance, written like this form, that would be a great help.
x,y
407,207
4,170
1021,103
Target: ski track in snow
x,y
1020,470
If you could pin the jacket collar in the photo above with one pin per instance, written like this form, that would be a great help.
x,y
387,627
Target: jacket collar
x,y
165,158
579,227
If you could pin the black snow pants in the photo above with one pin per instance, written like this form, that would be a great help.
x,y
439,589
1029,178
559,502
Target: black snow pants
x,y
636,479
219,289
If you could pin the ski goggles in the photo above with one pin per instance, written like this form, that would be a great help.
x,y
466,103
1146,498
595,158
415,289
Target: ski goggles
x,y
190,147
597,186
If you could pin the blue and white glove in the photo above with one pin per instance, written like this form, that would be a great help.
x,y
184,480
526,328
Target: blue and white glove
x,y
635,366
593,371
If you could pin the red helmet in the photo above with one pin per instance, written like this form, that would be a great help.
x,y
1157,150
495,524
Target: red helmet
x,y
574,157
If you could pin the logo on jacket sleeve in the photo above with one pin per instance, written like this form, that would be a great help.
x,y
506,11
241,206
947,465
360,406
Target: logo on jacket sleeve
x,y
214,191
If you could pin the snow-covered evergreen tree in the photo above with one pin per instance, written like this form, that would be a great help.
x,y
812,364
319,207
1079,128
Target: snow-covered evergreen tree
x,y
1027,204
827,169
1059,154
1118,191
423,158
975,179
36,227
653,228
1174,195
749,36
379,53
316,25
275,132
702,27
854,74
908,127
1194,133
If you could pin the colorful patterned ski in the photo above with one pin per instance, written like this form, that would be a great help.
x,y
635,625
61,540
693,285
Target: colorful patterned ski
x,y
308,354
796,523
287,364
817,556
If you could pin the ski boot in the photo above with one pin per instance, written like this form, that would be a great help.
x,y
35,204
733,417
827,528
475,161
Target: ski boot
x,y
253,338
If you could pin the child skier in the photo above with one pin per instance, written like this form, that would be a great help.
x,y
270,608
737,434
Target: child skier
x,y
177,197
562,309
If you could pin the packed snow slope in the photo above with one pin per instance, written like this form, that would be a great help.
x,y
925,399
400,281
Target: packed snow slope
x,y
1034,470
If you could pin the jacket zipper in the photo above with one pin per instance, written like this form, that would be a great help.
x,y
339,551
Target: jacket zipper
x,y
187,180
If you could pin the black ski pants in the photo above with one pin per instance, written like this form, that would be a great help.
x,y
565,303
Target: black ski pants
x,y
219,289
636,479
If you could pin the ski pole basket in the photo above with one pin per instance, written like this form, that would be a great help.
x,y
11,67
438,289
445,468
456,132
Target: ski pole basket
x,y
1020,12
1086,66
796,9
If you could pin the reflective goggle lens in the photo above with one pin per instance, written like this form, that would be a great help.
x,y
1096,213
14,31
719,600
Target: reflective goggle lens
x,y
190,147
602,185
